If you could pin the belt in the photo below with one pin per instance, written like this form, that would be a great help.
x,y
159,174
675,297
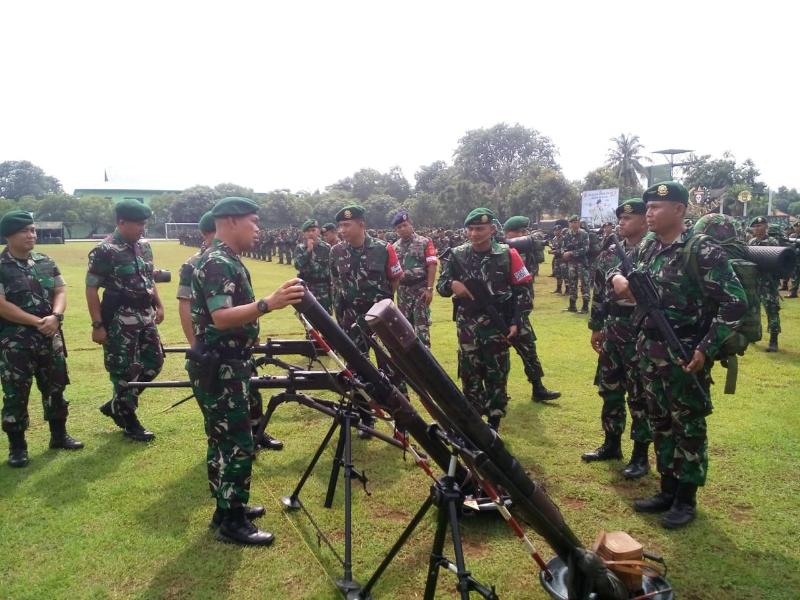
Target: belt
x,y
412,282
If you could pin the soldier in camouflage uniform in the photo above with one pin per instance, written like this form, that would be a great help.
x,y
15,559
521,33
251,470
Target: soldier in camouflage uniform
x,y
558,264
614,340
32,302
794,238
575,254
483,356
417,256
767,284
225,325
517,228
312,259
126,324
364,271
676,408
330,235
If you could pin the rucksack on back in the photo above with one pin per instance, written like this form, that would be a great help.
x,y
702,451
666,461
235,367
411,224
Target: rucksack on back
x,y
748,330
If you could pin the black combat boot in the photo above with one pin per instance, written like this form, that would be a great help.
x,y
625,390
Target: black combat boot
x,y
792,294
106,410
135,430
639,466
494,422
662,501
585,306
684,508
17,449
773,342
59,438
572,307
539,393
558,288
236,528
251,512
611,449
267,442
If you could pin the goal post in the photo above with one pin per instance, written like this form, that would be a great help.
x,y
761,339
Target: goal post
x,y
173,230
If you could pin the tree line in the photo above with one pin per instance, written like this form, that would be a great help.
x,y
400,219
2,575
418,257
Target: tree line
x,y
511,169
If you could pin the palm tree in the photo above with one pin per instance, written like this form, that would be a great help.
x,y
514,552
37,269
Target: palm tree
x,y
625,160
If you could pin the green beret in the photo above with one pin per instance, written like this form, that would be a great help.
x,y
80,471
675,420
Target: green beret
x,y
207,224
132,210
354,211
15,220
758,221
634,206
479,216
308,224
234,206
329,227
573,219
666,190
517,222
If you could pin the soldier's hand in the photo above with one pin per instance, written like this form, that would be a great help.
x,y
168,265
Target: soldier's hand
x,y
622,288
309,244
99,335
461,291
597,340
428,296
48,325
159,314
696,364
512,331
291,292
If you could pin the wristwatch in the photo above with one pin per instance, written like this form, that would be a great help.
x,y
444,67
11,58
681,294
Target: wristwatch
x,y
262,306
59,316
97,324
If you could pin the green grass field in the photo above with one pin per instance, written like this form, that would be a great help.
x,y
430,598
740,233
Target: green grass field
x,y
121,519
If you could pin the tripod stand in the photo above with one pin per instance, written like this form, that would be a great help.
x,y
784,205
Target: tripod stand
x,y
447,496
346,417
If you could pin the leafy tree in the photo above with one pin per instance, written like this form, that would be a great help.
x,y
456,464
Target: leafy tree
x,y
379,207
500,155
20,178
540,192
225,190
162,211
368,182
59,207
97,213
785,197
625,161
193,202
793,208
459,198
602,178
432,178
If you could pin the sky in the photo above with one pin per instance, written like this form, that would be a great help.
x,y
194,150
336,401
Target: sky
x,y
298,95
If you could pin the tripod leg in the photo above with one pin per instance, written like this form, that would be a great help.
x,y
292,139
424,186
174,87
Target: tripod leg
x,y
455,531
291,501
436,554
264,420
348,521
337,462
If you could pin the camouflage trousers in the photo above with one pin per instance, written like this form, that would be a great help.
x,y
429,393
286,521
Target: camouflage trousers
x,y
483,368
322,292
227,414
132,352
525,346
618,376
676,411
411,302
795,283
577,273
269,251
558,270
26,354
771,302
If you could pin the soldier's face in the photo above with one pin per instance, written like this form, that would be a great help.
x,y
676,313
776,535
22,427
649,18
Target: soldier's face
x,y
23,240
246,230
312,233
353,231
405,230
331,237
480,234
663,215
632,225
514,233
131,231
760,230
574,226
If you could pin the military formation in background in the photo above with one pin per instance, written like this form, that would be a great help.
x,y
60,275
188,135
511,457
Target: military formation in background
x,y
667,302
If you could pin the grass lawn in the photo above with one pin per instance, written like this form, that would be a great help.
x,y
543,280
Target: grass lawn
x,y
121,519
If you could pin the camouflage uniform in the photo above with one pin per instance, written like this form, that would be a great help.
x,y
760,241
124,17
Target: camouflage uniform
x,y
315,269
415,255
361,277
676,410
768,289
25,353
556,245
618,363
483,356
577,266
222,281
526,338
132,351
